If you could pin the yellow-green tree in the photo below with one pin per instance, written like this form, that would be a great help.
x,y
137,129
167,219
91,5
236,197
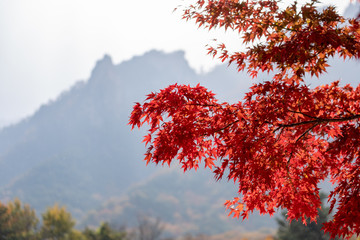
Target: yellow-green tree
x,y
4,218
17,221
57,224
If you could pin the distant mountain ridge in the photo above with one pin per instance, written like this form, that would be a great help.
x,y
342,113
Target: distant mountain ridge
x,y
79,151
84,130
82,138
190,202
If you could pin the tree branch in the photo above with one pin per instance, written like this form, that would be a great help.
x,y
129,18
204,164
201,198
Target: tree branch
x,y
321,120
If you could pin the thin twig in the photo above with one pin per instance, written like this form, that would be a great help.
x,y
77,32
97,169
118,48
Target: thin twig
x,y
321,120
304,133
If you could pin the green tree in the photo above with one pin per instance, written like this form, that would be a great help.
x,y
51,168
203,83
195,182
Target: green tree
x,y
105,232
298,230
77,235
57,224
17,221
5,228
90,234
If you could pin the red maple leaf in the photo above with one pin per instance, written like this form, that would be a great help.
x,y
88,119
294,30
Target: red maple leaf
x,y
284,138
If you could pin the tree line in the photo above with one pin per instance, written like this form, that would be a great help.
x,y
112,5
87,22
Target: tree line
x,y
19,222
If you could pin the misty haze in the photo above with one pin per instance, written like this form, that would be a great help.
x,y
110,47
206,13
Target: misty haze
x,y
78,151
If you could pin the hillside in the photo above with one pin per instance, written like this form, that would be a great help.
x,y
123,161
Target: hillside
x,y
79,148
185,203
79,151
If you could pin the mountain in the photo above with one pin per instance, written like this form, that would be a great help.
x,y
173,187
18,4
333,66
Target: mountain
x,y
185,203
79,151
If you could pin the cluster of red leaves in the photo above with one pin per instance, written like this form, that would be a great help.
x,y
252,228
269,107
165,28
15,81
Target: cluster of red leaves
x,y
297,39
277,145
284,138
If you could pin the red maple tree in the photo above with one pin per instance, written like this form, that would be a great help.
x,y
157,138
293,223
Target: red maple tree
x,y
284,137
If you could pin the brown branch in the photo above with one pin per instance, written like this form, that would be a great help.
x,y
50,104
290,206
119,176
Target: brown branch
x,y
203,105
321,120
304,133
223,128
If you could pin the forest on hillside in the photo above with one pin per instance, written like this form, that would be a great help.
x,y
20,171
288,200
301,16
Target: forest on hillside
x,y
19,221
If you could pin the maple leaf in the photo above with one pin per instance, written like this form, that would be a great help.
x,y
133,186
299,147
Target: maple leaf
x,y
209,162
284,138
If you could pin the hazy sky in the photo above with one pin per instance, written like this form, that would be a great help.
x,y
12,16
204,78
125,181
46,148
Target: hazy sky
x,y
47,45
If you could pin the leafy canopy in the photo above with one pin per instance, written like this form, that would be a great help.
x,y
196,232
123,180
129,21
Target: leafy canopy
x,y
17,221
283,138
57,223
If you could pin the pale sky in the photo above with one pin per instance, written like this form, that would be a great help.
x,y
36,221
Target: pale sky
x,y
48,45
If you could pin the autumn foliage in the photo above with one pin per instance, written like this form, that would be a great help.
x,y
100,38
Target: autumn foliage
x,y
283,138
